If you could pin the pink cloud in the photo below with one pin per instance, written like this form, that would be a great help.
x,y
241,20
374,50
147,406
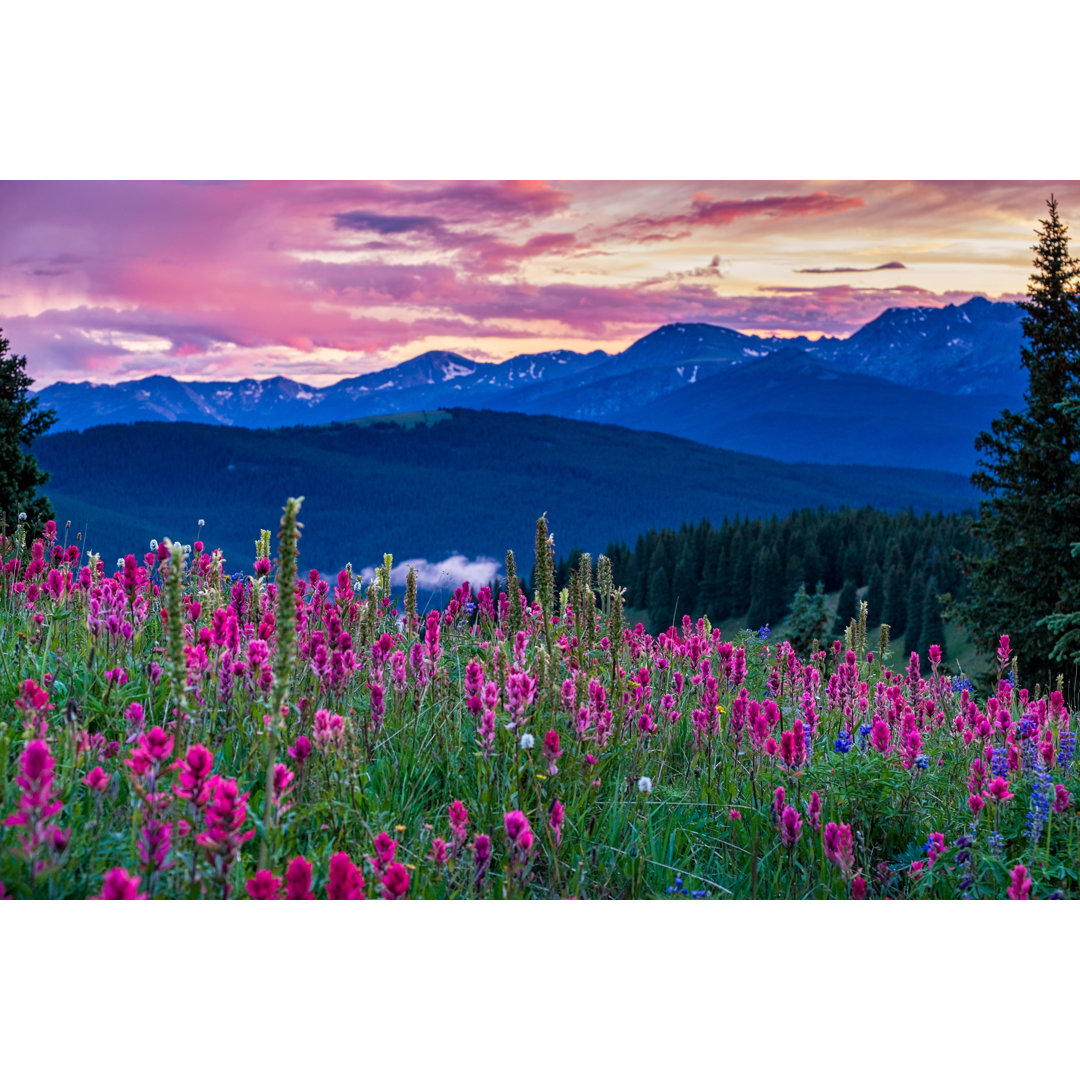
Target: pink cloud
x,y
118,278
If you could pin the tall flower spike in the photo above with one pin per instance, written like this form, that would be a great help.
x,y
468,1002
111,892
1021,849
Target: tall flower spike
x,y
174,631
284,653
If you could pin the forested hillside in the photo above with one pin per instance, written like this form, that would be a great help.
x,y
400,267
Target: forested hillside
x,y
751,568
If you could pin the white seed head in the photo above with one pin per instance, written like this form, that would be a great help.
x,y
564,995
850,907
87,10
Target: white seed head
x,y
527,741
201,523
153,545
119,564
22,516
644,785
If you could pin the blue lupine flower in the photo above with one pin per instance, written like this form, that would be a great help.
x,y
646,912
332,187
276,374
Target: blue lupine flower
x,y
967,882
999,766
922,762
864,734
1039,809
960,684
996,843
1010,678
763,632
699,894
843,742
1066,749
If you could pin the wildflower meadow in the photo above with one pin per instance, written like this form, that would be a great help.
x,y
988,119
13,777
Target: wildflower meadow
x,y
170,730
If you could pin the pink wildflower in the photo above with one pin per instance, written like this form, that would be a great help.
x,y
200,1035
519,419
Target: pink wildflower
x,y
153,748
813,811
734,815
118,884
395,882
97,779
1020,889
999,790
459,823
481,846
551,751
300,750
345,882
195,770
1062,798
439,853
838,846
556,819
298,880
880,736
518,830
858,888
263,886
384,852
790,826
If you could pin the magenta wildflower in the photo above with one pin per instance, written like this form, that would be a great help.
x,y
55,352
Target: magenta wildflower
x,y
998,791
97,779
880,736
395,882
195,769
226,815
118,884
459,823
518,830
481,846
858,888
556,819
813,811
1003,650
838,846
37,805
153,748
298,880
384,852
440,852
1020,889
300,750
551,751
1062,798
790,826
345,882
263,886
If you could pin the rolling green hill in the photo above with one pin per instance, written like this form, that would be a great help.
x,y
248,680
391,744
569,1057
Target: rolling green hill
x,y
457,481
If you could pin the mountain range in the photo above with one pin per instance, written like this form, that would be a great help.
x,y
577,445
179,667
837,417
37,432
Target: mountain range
x,y
434,484
911,388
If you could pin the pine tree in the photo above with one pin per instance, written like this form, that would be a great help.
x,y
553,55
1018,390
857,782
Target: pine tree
x,y
875,597
1029,467
809,618
846,608
933,626
22,420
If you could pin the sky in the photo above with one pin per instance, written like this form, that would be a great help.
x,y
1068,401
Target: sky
x,y
318,281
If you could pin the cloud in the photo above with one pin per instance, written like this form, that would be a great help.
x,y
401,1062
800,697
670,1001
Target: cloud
x,y
706,211
448,574
385,224
895,265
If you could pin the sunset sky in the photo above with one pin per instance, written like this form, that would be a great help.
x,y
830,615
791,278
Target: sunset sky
x,y
322,280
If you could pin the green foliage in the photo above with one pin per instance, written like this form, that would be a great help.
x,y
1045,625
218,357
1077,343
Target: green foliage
x,y
21,422
810,619
1030,470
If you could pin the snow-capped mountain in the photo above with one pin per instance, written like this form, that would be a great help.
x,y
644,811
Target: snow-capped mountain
x,y
716,380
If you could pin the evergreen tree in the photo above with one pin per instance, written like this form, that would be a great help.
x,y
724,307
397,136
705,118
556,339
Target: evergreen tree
x,y
875,597
933,626
846,608
809,618
659,603
21,422
895,600
1029,467
913,631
